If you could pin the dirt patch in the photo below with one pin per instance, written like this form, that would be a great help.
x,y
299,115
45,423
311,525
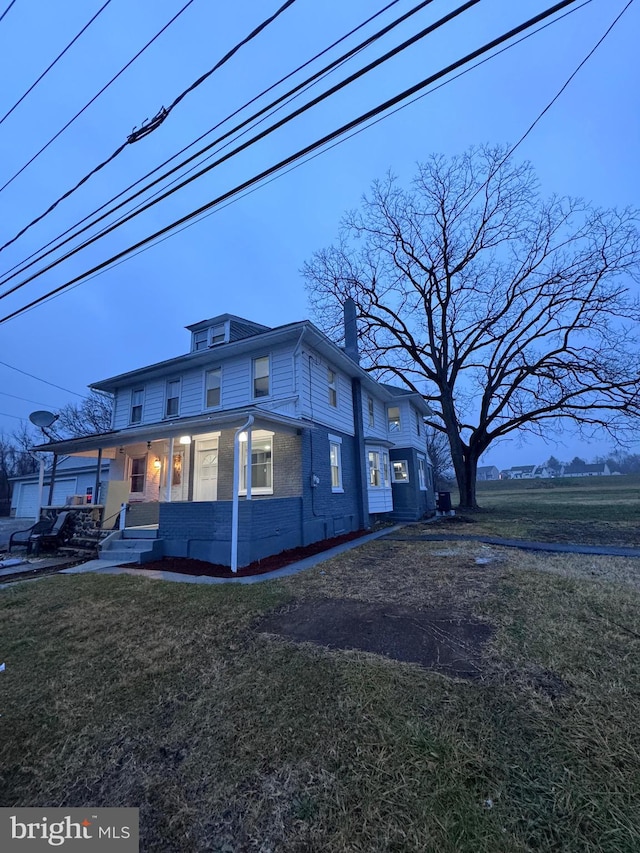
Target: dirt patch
x,y
201,568
435,639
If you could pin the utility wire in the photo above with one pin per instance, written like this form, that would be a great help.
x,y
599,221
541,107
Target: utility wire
x,y
313,156
58,57
24,265
7,9
24,399
155,122
347,81
95,97
301,153
46,382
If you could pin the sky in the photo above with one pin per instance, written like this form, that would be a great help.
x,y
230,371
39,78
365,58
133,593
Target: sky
x,y
245,258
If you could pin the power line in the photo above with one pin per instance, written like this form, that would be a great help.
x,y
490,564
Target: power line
x,y
39,379
58,57
95,97
7,9
24,399
313,156
24,265
329,92
155,122
301,153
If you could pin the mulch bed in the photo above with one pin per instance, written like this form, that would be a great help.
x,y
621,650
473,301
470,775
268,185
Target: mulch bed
x,y
187,566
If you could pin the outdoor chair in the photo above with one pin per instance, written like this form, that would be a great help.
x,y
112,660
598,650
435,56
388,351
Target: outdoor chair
x,y
50,539
23,537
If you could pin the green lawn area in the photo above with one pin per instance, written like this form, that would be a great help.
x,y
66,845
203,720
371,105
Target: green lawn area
x,y
590,510
121,691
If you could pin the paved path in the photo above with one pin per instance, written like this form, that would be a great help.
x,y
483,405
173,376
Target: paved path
x,y
553,547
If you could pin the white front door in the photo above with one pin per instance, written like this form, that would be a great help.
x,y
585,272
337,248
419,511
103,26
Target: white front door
x,y
206,472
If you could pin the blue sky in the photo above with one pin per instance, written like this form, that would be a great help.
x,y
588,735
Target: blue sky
x,y
246,257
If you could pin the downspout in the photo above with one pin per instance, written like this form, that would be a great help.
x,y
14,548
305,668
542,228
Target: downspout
x,y
236,489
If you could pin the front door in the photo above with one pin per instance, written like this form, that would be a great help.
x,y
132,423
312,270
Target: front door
x,y
206,473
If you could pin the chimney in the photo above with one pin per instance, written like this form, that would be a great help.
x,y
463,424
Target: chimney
x,y
351,330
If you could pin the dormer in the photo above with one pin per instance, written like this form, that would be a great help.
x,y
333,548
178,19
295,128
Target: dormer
x,y
222,329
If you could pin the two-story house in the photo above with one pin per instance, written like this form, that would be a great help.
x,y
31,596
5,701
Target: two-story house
x,y
260,439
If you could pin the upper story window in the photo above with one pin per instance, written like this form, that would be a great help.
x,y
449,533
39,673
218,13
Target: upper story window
x,y
205,338
332,381
372,418
260,377
213,384
393,418
137,399
172,407
418,421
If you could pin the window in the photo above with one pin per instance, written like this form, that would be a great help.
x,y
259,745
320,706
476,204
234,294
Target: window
x,y
213,383
393,418
335,461
138,468
210,337
385,468
371,411
172,409
137,398
400,470
333,389
261,377
418,419
422,473
374,469
201,340
218,334
261,464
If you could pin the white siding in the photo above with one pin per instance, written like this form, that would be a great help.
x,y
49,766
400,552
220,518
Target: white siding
x,y
407,436
315,394
379,428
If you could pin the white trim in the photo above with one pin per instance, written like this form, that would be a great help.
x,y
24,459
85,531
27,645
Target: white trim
x,y
134,390
253,378
335,441
422,472
166,416
206,371
256,436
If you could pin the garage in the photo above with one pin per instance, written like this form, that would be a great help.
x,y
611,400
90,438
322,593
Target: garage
x,y
27,502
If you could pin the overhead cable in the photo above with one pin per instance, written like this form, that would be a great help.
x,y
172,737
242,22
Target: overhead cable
x,y
24,265
254,139
147,126
95,98
6,10
58,57
39,379
391,102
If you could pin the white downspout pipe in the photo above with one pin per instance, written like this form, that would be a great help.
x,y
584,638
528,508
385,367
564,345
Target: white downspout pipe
x,y
236,489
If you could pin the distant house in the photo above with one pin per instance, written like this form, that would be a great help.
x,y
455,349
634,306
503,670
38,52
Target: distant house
x,y
488,472
519,472
259,440
585,469
75,481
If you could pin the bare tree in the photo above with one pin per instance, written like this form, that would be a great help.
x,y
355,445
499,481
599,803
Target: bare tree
x,y
439,455
508,312
92,415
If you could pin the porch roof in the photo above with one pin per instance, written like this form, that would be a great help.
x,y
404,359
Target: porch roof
x,y
89,444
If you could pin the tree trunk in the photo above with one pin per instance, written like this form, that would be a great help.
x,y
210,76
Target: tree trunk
x,y
466,474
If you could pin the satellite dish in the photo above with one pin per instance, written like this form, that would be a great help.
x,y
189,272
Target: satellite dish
x,y
42,419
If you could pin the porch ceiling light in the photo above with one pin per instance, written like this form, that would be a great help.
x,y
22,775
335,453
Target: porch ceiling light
x,y
185,439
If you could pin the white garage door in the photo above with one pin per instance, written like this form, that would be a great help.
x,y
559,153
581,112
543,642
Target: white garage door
x,y
27,505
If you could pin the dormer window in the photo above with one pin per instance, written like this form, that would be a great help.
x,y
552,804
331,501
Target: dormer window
x,y
211,337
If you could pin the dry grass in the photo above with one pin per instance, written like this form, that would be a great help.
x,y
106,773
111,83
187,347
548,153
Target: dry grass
x,y
120,691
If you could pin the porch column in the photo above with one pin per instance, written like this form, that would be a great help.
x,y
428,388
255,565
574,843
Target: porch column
x,y
236,489
249,472
40,487
170,469
98,471
53,478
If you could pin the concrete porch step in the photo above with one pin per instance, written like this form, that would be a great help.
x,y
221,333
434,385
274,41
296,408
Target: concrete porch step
x,y
133,550
140,533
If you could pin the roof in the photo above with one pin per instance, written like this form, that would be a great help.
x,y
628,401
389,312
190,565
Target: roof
x,y
68,465
223,318
175,428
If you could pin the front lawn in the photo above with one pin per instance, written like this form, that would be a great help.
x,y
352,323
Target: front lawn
x,y
189,702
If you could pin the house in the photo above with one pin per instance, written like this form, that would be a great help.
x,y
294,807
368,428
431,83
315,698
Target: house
x,y
487,472
519,472
258,440
75,481
585,469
